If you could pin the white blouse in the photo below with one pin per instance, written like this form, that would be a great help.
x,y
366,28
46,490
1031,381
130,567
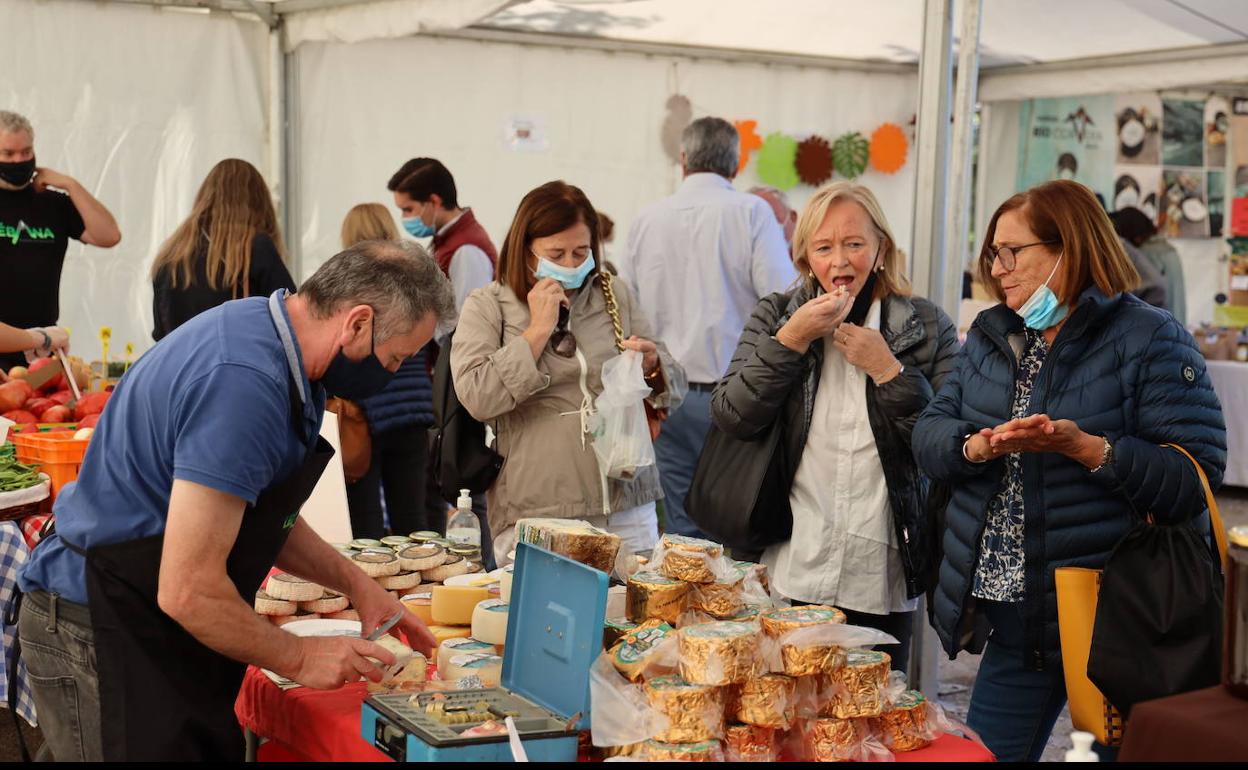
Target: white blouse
x,y
843,550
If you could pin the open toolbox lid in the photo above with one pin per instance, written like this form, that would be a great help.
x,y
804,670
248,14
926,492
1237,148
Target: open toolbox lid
x,y
554,631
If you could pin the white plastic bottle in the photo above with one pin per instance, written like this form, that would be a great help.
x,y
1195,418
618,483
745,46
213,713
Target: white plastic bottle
x,y
464,528
1082,751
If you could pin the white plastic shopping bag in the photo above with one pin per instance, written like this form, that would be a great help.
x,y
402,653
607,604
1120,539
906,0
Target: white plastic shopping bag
x,y
620,432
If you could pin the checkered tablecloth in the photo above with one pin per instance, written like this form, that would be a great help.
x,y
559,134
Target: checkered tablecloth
x,y
13,554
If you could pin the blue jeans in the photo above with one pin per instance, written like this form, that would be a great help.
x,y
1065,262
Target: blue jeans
x,y
676,453
1014,709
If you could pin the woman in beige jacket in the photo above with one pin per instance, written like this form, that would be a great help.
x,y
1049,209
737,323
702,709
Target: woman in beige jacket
x,y
527,359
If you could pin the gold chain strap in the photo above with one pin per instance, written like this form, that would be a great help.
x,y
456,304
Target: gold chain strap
x,y
613,310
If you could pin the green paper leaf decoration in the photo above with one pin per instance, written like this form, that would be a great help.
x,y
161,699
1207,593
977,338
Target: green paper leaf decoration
x,y
775,161
850,153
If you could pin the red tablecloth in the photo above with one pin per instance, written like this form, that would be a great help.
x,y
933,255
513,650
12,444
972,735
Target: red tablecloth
x,y
324,726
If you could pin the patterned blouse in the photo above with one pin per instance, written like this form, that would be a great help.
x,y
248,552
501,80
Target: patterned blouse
x,y
999,573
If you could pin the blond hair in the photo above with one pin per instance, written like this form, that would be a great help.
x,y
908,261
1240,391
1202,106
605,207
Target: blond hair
x,y
232,207
368,222
892,279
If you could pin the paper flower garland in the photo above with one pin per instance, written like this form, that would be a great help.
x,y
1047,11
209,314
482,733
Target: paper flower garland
x,y
814,161
750,141
850,153
888,148
775,161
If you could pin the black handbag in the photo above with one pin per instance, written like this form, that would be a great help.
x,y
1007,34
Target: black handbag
x,y
460,457
1158,629
739,495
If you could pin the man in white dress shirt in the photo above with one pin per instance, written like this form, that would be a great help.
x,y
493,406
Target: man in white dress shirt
x,y
700,260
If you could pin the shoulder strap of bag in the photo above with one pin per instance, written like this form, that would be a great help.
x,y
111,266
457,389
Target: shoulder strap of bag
x,y
613,310
1215,517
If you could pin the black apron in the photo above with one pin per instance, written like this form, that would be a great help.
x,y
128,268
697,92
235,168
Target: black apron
x,y
164,696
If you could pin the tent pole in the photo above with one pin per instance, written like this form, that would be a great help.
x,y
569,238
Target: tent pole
x,y
928,244
289,159
957,239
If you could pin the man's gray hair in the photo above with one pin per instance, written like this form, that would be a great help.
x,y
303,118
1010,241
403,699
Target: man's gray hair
x,y
711,144
765,190
397,279
12,123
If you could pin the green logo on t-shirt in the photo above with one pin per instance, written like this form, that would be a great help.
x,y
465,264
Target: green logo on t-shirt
x,y
13,232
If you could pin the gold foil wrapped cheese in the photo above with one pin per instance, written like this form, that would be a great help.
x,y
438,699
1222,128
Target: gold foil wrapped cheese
x,y
689,558
903,727
613,630
706,751
757,572
860,683
652,596
636,649
833,740
577,540
767,701
696,711
805,659
719,653
747,743
723,599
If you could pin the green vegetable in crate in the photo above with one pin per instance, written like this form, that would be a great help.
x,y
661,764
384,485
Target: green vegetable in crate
x,y
15,476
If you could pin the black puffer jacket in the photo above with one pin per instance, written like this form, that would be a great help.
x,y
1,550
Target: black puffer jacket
x,y
767,381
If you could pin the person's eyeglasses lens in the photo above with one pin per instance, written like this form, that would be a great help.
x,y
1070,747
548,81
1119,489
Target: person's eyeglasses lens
x,y
562,341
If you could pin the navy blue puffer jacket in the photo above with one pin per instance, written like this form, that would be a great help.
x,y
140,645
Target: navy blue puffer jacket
x,y
407,402
1119,369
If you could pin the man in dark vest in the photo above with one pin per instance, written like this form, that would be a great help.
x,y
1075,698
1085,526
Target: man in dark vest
x,y
425,193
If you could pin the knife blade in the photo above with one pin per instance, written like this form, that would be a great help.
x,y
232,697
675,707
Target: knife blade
x,y
385,627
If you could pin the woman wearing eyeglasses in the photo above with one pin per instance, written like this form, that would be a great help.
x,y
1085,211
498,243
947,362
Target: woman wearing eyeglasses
x,y
527,359
1050,435
845,361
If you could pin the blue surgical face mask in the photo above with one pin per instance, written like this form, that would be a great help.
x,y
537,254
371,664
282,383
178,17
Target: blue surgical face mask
x,y
568,277
1042,310
416,227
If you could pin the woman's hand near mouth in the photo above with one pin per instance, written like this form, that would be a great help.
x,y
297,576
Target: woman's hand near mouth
x,y
819,317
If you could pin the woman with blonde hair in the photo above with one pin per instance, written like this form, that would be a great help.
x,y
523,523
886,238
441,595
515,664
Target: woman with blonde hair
x,y
846,361
228,248
398,419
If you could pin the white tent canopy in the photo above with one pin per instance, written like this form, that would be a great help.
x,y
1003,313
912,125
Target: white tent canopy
x,y
328,97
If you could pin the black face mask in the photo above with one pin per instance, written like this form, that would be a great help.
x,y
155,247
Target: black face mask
x,y
866,295
355,380
18,174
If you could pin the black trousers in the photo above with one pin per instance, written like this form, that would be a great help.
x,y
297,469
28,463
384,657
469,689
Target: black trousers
x,y
398,470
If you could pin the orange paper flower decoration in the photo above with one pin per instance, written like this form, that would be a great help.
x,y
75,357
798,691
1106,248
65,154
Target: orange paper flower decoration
x,y
888,148
750,141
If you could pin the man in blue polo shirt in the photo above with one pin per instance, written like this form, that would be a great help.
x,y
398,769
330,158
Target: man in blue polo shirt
x,y
137,619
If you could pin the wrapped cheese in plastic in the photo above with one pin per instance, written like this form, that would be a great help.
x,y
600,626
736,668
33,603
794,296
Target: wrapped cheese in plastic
x,y
749,743
707,751
691,559
651,647
652,596
768,700
696,711
720,653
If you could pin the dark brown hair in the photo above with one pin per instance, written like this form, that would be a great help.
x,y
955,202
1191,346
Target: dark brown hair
x,y
1068,215
548,210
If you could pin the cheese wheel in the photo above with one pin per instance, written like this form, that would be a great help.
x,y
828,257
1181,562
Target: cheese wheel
x,y
442,633
421,557
424,536
281,621
403,581
452,647
486,667
489,621
577,540
360,544
651,596
504,581
454,605
421,605
454,565
267,605
328,604
396,541
344,615
377,565
285,586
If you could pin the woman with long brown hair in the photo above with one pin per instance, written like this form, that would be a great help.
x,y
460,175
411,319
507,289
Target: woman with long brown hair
x,y
527,358
228,248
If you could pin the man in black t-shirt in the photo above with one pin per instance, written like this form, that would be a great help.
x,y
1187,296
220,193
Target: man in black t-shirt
x,y
36,223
